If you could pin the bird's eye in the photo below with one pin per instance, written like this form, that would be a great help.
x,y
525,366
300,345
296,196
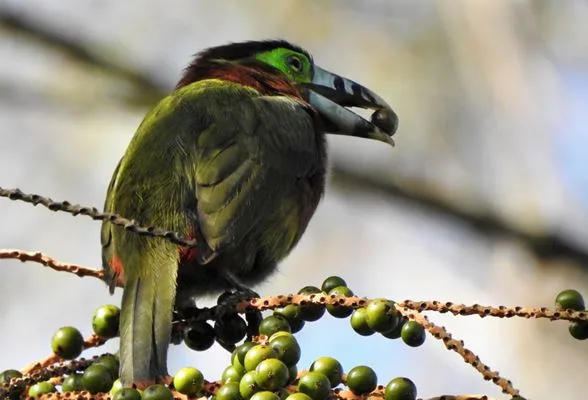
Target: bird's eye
x,y
295,63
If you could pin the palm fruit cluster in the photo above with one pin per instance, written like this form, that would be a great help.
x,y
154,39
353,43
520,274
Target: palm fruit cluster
x,y
263,367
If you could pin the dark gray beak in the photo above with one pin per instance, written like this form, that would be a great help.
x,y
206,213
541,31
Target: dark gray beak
x,y
329,94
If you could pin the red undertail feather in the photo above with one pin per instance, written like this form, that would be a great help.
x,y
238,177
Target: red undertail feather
x,y
118,270
188,254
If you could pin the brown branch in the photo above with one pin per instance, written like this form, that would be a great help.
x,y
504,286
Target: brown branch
x,y
500,311
336,393
38,257
18,385
92,341
468,356
273,302
115,219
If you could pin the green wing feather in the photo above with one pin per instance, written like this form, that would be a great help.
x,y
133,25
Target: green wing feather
x,y
240,179
214,154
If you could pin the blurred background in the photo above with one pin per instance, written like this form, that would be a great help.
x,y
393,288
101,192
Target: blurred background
x,y
483,200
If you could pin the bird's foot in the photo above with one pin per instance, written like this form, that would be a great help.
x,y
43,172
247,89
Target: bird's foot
x,y
228,301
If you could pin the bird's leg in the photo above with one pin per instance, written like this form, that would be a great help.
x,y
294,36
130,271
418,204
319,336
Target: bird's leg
x,y
237,293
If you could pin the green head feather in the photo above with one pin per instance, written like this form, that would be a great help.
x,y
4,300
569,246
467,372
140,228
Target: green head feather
x,y
297,66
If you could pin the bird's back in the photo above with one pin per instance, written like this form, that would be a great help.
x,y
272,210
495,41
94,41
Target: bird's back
x,y
216,161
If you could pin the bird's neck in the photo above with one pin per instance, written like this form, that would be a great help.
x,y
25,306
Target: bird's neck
x,y
264,81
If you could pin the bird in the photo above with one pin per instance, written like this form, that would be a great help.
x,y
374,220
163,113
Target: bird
x,y
235,159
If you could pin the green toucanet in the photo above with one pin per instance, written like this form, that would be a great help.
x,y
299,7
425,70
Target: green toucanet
x,y
234,158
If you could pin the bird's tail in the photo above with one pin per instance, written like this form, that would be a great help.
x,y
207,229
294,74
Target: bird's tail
x,y
145,324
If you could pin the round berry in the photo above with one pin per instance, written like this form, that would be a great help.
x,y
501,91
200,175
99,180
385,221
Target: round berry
x,y
329,367
241,350
231,374
292,373
292,314
579,330
97,378
361,380
248,387
271,374
286,347
188,381
413,334
41,388
127,394
569,299
331,283
298,396
105,321
229,391
381,315
265,395
338,311
232,329
67,342
315,385
157,392
116,387
257,354
110,362
400,389
272,324
7,375
199,336
395,333
72,383
359,323
311,312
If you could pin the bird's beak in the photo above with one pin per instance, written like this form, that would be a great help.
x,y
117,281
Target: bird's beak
x,y
330,94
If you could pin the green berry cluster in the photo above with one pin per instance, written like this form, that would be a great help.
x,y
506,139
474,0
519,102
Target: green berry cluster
x,y
269,371
571,299
266,369
379,315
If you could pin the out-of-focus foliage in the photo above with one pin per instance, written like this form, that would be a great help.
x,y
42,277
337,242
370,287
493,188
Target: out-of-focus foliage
x,y
491,96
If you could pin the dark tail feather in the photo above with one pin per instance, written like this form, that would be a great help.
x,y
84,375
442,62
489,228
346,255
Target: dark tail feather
x,y
146,316
163,310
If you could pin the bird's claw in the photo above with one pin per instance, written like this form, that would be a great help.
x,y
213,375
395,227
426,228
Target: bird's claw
x,y
227,302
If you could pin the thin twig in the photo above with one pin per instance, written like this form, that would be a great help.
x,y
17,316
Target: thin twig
x,y
92,341
500,311
76,209
41,258
468,356
18,385
273,302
